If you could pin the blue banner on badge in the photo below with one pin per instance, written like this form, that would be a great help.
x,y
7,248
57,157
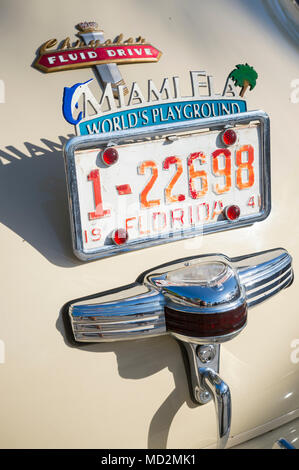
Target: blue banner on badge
x,y
161,114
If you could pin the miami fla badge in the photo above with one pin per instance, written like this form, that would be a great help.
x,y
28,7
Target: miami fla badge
x,y
163,104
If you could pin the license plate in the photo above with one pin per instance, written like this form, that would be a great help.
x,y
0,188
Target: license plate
x,y
166,185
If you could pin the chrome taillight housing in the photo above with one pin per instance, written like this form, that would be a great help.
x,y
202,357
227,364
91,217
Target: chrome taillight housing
x,y
203,301
203,297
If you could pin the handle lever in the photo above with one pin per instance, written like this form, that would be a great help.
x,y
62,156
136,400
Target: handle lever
x,y
220,392
207,384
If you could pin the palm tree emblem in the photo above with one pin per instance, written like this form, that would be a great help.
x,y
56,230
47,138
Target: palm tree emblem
x,y
244,76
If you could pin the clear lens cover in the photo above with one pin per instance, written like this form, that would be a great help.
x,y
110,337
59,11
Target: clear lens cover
x,y
209,273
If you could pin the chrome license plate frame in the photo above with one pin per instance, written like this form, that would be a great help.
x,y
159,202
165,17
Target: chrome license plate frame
x,y
90,142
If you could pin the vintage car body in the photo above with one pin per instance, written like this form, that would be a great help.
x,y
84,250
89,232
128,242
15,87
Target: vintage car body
x,y
134,394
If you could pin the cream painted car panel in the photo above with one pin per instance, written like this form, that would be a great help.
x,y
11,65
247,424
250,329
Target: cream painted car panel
x,y
289,431
132,394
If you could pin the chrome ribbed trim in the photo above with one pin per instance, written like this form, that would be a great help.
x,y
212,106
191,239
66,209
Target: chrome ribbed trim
x,y
137,311
133,317
267,277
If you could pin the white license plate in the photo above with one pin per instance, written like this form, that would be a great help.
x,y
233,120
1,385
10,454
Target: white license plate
x,y
166,189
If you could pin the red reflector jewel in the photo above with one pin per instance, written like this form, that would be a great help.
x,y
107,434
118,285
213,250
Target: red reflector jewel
x,y
110,156
120,236
229,137
232,212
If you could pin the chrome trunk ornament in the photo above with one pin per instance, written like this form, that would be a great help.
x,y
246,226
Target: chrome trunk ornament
x,y
107,73
202,301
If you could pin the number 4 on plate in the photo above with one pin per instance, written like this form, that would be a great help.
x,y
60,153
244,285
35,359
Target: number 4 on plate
x,y
251,202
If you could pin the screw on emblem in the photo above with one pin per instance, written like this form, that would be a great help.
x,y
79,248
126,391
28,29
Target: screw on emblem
x,y
204,397
206,353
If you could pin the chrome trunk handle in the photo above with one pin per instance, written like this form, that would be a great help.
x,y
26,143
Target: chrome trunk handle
x,y
207,384
221,394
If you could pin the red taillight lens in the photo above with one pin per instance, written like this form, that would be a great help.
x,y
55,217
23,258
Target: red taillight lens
x,y
204,325
110,156
120,236
229,137
232,212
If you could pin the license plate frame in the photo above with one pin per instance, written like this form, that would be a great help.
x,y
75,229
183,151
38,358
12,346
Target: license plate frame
x,y
133,135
